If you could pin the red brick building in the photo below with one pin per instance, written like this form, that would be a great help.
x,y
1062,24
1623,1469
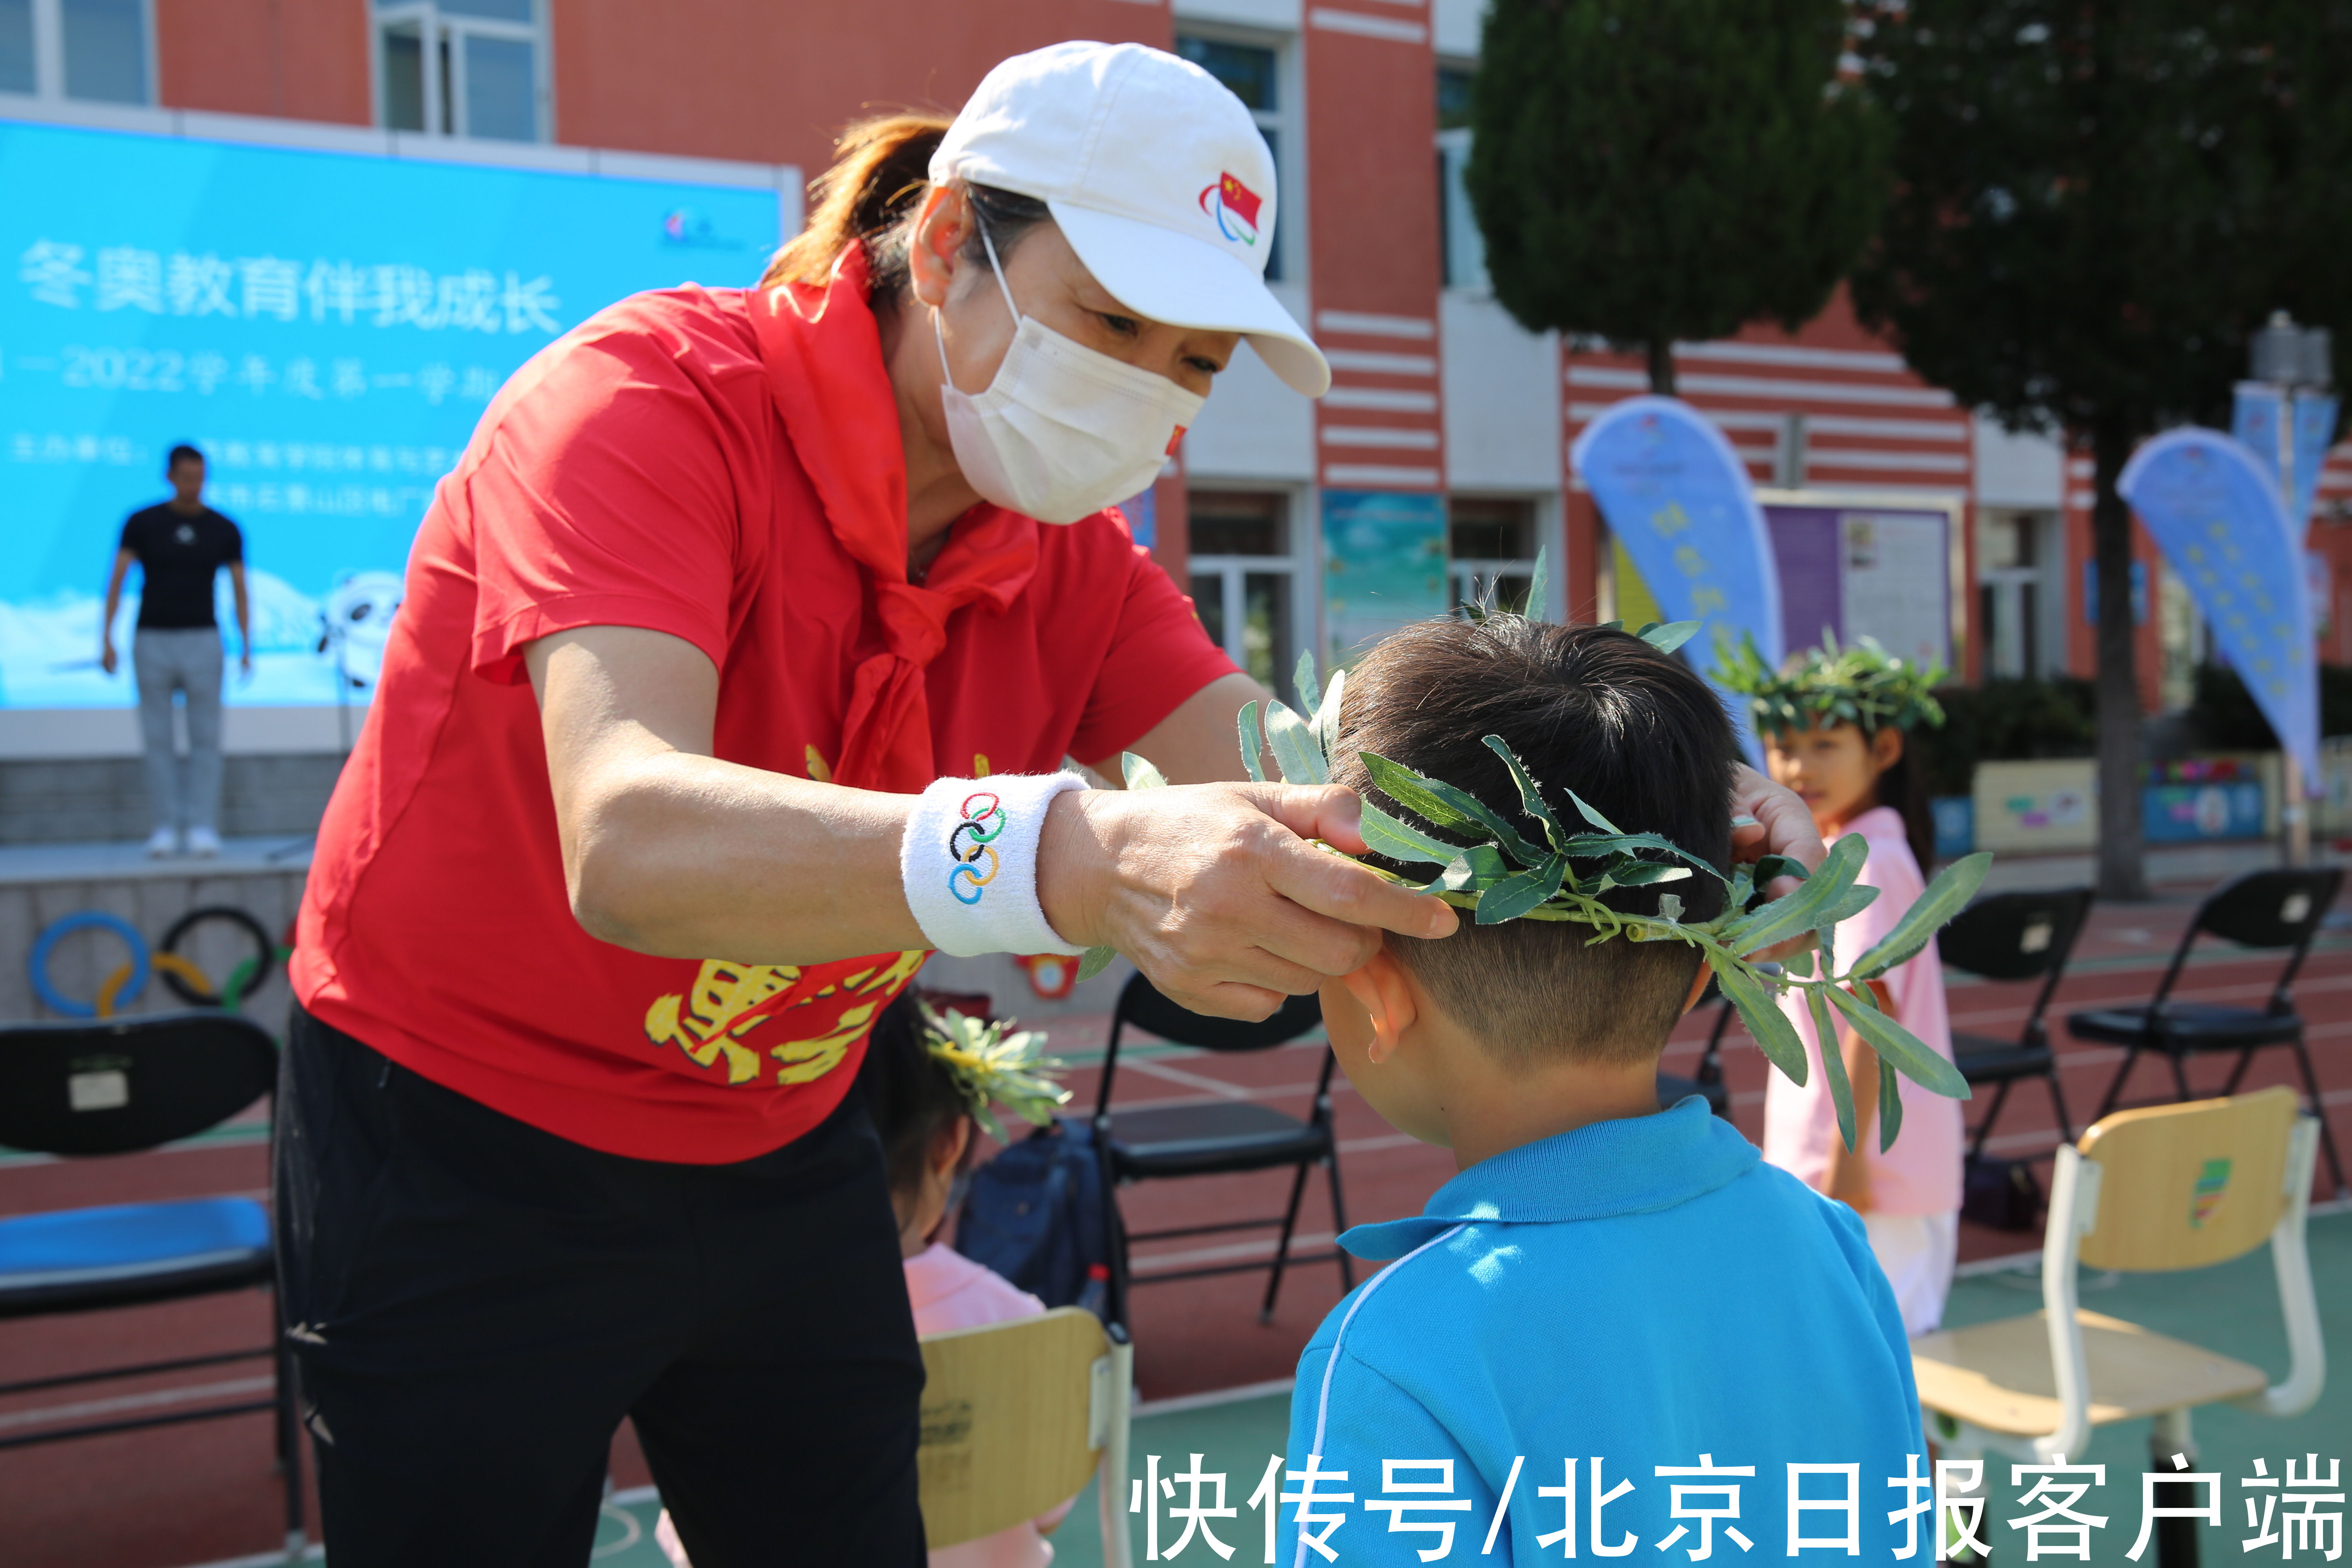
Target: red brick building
x,y
1436,391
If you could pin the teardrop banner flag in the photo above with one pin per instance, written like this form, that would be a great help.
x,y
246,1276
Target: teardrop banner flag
x,y
1677,496
2211,506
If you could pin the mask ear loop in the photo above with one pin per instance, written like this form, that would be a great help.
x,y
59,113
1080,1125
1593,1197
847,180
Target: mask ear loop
x,y
939,334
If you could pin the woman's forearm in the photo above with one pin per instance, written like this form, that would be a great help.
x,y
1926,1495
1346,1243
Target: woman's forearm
x,y
671,851
689,856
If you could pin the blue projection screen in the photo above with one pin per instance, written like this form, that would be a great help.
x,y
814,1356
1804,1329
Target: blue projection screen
x,y
327,327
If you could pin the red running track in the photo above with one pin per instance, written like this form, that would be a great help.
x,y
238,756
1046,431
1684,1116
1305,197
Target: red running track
x,y
204,1493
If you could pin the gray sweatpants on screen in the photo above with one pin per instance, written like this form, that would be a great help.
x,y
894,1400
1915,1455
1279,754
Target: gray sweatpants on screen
x,y
189,662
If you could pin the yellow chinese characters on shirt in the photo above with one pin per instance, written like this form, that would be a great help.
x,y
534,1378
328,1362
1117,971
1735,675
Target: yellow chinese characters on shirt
x,y
807,1015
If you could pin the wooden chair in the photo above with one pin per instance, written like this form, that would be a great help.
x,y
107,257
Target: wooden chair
x,y
1017,1416
2159,1190
1215,1138
116,1086
2274,910
2013,937
1708,1079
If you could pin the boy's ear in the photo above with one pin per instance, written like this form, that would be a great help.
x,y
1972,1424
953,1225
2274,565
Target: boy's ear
x,y
1698,987
1387,998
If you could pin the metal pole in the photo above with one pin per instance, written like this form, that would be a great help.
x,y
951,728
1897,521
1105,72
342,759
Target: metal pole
x,y
2294,812
2281,345
2294,820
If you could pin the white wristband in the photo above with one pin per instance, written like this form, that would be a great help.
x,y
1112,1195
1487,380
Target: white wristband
x,y
969,863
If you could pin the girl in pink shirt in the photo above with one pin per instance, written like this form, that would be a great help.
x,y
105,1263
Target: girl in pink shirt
x,y
1849,764
923,1110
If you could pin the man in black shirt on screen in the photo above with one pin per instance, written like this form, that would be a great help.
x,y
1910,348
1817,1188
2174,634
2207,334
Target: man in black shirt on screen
x,y
179,546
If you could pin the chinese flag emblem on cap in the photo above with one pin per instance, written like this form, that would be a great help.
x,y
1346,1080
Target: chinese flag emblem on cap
x,y
1235,207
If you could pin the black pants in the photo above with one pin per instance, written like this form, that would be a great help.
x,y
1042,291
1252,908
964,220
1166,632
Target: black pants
x,y
476,1304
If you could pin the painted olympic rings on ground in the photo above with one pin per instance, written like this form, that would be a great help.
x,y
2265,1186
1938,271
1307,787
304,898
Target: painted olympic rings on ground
x,y
191,983
983,825
124,986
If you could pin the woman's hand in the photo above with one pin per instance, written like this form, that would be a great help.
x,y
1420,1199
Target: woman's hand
x,y
1782,826
1215,893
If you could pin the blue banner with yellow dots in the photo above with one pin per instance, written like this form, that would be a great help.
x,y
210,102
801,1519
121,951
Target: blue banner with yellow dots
x,y
2211,506
1677,497
326,327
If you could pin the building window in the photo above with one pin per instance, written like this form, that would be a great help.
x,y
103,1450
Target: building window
x,y
1254,73
1244,580
95,50
1494,546
1463,248
463,67
2019,615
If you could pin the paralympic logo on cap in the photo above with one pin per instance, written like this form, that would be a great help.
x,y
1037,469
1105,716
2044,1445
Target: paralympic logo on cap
x,y
1234,208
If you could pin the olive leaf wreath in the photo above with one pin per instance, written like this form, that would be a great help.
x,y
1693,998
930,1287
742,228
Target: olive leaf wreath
x,y
990,1065
1542,868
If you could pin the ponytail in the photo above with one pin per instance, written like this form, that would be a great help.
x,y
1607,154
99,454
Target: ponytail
x,y
880,174
881,170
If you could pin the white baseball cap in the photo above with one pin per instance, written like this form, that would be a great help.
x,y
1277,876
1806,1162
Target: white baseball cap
x,y
1157,174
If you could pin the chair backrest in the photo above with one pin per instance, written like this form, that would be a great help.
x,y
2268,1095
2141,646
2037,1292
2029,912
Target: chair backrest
x,y
2182,1186
1143,1005
113,1086
2263,909
1014,1416
2019,936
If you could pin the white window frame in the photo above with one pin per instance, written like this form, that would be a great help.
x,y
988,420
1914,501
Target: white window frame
x,y
1290,257
1298,562
445,100
1454,150
2048,577
49,52
1469,578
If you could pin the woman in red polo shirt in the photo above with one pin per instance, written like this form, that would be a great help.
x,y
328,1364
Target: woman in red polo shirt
x,y
739,655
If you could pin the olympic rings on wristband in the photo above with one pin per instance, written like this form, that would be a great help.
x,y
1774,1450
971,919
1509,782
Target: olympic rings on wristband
x,y
965,876
121,987
191,983
983,825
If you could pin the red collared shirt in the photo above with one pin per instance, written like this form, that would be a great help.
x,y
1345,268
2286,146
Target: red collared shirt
x,y
639,472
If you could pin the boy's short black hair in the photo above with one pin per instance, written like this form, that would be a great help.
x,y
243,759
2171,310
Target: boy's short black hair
x,y
909,1093
180,454
1631,729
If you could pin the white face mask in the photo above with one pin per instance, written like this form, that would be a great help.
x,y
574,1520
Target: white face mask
x,y
1062,431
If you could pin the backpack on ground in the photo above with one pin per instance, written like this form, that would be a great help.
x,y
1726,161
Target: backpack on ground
x,y
1037,1213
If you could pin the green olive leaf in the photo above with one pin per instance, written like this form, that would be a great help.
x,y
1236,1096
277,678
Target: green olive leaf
x,y
1772,1031
1253,745
1897,1043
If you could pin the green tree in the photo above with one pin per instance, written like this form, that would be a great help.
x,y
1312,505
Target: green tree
x,y
1649,170
2096,200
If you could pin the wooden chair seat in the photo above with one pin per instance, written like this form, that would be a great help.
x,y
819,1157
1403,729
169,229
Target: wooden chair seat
x,y
1998,1376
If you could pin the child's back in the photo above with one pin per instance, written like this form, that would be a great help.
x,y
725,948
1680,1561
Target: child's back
x,y
1631,1294
1621,1315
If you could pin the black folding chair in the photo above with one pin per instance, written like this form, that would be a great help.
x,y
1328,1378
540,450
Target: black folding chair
x,y
2276,909
2015,937
116,1086
1707,1080
1215,1139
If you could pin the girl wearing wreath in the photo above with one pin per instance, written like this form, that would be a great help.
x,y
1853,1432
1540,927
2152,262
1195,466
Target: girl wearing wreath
x,y
1835,723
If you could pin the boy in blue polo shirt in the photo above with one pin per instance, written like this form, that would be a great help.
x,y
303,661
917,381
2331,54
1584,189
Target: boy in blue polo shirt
x,y
1616,1327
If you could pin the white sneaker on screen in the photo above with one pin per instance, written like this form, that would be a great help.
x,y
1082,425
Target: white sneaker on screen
x,y
164,841
203,843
